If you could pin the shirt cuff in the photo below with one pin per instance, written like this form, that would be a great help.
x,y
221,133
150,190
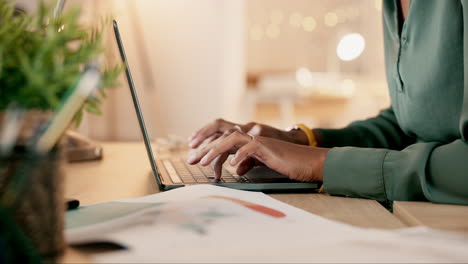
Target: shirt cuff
x,y
355,172
338,137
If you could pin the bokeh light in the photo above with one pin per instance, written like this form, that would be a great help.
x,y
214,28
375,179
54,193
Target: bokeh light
x,y
276,17
304,77
273,31
378,5
309,24
295,20
256,32
331,19
347,87
350,47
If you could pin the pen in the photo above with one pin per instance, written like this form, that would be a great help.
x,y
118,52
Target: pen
x,y
10,129
72,204
58,8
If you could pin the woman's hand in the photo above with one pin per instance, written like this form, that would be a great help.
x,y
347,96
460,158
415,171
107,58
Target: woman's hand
x,y
217,128
298,162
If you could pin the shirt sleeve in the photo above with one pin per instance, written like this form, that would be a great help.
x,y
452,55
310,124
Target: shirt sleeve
x,y
423,171
381,131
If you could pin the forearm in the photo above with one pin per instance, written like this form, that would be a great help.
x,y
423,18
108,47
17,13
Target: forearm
x,y
382,131
296,136
424,171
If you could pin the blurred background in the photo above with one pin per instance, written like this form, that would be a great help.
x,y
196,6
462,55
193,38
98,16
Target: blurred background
x,y
278,62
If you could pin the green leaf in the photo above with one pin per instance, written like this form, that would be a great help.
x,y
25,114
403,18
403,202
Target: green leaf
x,y
42,57
78,117
93,109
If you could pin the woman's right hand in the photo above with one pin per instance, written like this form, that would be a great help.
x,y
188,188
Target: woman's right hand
x,y
219,127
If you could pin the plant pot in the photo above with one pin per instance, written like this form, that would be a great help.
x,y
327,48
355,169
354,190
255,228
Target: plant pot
x,y
39,211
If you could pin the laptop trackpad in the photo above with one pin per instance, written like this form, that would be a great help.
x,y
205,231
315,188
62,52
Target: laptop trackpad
x,y
264,174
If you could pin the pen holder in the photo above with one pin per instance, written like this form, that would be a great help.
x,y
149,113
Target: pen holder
x,y
39,212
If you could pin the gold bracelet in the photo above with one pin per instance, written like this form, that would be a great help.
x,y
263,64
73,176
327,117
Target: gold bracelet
x,y
309,134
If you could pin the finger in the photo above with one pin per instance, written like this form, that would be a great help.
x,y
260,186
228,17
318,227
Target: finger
x,y
228,144
247,127
213,138
218,126
198,155
245,165
202,134
255,130
236,128
247,151
218,135
218,165
207,129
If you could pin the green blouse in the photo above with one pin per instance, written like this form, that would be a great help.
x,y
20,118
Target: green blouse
x,y
418,148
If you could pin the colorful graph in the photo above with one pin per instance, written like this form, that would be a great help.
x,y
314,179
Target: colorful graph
x,y
204,219
255,207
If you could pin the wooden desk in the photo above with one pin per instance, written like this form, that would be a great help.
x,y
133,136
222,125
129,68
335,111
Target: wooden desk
x,y
439,216
353,211
125,172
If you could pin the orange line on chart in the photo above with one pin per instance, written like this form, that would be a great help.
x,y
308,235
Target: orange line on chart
x,y
255,207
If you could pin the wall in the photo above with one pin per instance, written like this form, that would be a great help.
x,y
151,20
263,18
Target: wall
x,y
187,58
292,46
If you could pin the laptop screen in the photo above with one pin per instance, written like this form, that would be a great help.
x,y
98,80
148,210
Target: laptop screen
x,y
136,103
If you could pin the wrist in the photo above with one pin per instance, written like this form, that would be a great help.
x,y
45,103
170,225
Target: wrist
x,y
321,163
297,136
303,135
318,137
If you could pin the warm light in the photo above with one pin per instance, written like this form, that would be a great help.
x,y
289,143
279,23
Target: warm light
x,y
352,13
350,47
355,12
276,17
331,19
341,14
309,24
347,87
378,5
304,77
295,20
256,32
273,31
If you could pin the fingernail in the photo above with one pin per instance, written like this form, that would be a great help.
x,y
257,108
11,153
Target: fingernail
x,y
191,159
233,161
204,161
192,143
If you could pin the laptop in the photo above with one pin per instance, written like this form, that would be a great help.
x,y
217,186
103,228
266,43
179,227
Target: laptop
x,y
173,172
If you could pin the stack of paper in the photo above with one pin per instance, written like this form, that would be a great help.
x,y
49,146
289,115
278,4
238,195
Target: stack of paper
x,y
205,223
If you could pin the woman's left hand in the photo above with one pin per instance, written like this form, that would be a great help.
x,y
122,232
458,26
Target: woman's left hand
x,y
298,162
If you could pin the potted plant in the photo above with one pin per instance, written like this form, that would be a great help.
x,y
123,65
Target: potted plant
x,y
41,57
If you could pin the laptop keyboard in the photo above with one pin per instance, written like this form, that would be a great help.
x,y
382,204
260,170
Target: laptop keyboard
x,y
180,172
